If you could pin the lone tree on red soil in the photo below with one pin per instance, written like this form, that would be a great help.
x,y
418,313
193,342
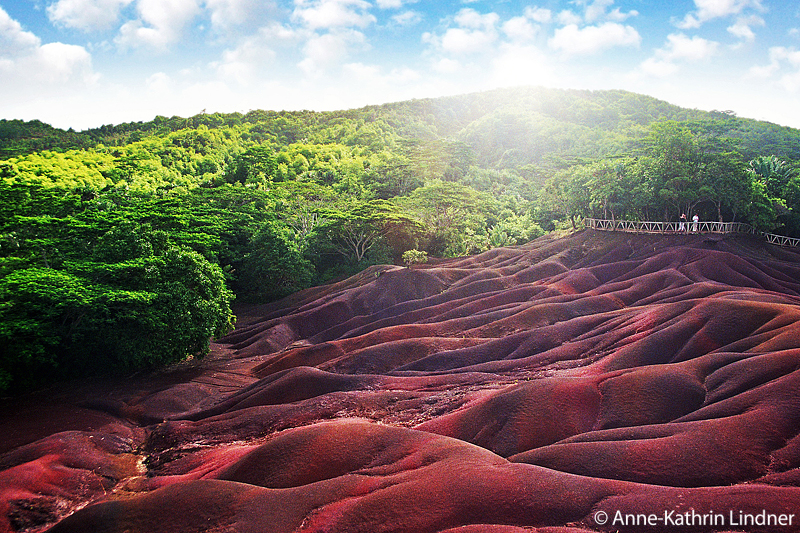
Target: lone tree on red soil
x,y
413,257
356,228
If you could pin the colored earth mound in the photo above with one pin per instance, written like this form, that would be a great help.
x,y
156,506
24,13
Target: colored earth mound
x,y
596,382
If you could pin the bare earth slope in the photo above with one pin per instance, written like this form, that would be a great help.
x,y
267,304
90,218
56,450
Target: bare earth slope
x,y
598,382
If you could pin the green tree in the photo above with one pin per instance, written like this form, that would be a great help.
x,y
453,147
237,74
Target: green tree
x,y
671,164
92,317
728,185
770,178
357,226
566,194
390,175
514,229
454,216
256,165
413,257
774,173
274,266
302,208
610,188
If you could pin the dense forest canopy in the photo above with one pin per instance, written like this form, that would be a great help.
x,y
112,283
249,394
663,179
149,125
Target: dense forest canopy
x,y
150,229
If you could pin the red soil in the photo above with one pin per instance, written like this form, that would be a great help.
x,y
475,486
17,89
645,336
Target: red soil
x,y
524,389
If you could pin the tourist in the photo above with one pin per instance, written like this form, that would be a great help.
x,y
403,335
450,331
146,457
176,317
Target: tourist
x,y
695,220
682,226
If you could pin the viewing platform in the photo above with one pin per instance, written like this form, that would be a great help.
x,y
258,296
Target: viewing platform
x,y
633,226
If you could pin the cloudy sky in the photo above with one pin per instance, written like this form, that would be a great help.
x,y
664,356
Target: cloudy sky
x,y
84,63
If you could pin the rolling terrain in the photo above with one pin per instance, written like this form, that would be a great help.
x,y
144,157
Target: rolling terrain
x,y
594,382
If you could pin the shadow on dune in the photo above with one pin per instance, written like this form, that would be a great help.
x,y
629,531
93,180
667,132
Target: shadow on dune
x,y
532,388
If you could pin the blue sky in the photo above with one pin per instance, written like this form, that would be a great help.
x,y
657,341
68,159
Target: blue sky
x,y
84,63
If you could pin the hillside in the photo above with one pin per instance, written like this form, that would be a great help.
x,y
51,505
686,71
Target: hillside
x,y
525,388
505,128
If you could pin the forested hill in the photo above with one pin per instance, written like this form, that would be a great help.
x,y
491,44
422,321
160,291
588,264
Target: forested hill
x,y
147,229
505,128
506,114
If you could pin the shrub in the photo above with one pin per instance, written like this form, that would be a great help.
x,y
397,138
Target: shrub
x,y
412,257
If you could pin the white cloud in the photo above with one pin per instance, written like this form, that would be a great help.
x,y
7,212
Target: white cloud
x,y
159,84
689,22
283,34
134,34
658,68
324,52
519,29
712,9
679,48
592,39
59,62
363,73
763,72
742,31
447,66
742,28
86,15
483,50
475,33
35,66
469,18
226,15
619,16
778,56
539,14
329,30
170,14
567,18
161,23
784,61
328,14
407,18
394,4
13,39
246,62
596,10
463,41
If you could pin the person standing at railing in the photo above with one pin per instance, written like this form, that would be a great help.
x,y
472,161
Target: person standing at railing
x,y
695,220
682,225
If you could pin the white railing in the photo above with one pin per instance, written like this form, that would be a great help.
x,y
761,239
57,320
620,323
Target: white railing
x,y
780,240
636,226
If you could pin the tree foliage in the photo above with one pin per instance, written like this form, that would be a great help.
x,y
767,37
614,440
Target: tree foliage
x,y
414,257
274,266
137,302
357,226
678,168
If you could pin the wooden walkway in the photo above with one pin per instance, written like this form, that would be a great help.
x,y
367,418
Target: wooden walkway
x,y
632,226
